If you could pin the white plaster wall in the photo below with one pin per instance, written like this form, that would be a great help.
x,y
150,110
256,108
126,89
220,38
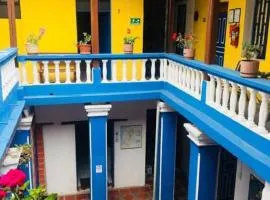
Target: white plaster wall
x,y
60,158
129,164
242,181
69,113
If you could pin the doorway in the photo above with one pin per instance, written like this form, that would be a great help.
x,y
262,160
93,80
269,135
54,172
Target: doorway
x,y
154,26
221,33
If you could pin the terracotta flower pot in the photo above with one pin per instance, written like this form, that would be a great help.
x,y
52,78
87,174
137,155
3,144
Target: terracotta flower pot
x,y
189,53
31,48
85,48
249,68
128,48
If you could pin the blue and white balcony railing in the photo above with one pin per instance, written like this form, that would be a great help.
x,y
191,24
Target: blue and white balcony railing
x,y
243,100
8,72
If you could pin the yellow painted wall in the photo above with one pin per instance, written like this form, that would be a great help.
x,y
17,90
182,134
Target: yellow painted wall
x,y
57,17
232,54
121,12
4,38
199,28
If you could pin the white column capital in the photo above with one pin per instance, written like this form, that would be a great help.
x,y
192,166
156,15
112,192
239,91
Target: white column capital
x,y
98,110
197,136
26,123
163,107
266,191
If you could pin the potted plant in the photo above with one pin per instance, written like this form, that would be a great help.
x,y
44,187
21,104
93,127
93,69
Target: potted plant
x,y
32,42
84,45
186,42
129,42
249,67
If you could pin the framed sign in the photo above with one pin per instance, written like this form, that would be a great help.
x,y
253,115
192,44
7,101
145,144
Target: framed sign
x,y
231,16
131,137
237,15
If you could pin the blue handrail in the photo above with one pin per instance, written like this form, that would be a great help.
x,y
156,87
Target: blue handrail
x,y
6,55
228,74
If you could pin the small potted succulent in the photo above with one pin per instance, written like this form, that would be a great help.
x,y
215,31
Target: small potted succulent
x,y
249,67
32,42
129,42
187,42
84,45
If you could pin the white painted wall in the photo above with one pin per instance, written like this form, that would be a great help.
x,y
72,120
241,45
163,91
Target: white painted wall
x,y
129,164
60,158
242,181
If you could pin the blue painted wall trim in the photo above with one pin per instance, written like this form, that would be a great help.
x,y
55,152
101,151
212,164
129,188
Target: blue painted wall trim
x,y
168,155
203,167
98,159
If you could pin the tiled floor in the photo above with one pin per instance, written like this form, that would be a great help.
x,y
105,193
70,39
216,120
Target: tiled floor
x,y
137,193
145,193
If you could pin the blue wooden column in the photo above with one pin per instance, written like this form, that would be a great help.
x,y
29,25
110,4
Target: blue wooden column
x,y
165,153
97,117
203,165
21,137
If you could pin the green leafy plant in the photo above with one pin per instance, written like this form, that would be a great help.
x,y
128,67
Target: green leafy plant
x,y
26,154
130,39
40,193
86,38
187,41
34,39
250,51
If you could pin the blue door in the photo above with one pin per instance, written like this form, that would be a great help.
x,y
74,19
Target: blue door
x,y
221,37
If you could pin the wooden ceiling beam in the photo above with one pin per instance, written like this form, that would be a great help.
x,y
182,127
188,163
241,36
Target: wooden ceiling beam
x,y
12,23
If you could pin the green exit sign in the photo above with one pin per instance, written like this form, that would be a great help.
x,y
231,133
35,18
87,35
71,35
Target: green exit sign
x,y
135,21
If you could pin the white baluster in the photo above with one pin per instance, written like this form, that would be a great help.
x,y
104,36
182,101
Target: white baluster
x,y
24,74
233,99
180,72
57,71
143,70
104,70
211,90
198,82
188,79
35,72
88,71
184,75
218,92
263,113
165,70
252,107
161,69
153,69
134,70
192,81
68,71
170,71
124,68
78,71
46,71
242,103
225,96
114,70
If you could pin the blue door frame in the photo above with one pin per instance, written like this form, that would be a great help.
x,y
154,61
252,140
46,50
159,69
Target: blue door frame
x,y
221,38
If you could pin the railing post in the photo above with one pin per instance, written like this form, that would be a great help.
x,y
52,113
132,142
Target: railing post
x,y
57,71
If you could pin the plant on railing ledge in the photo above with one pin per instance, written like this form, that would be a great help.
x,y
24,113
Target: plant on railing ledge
x,y
32,42
129,42
187,42
84,45
249,67
26,154
14,187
